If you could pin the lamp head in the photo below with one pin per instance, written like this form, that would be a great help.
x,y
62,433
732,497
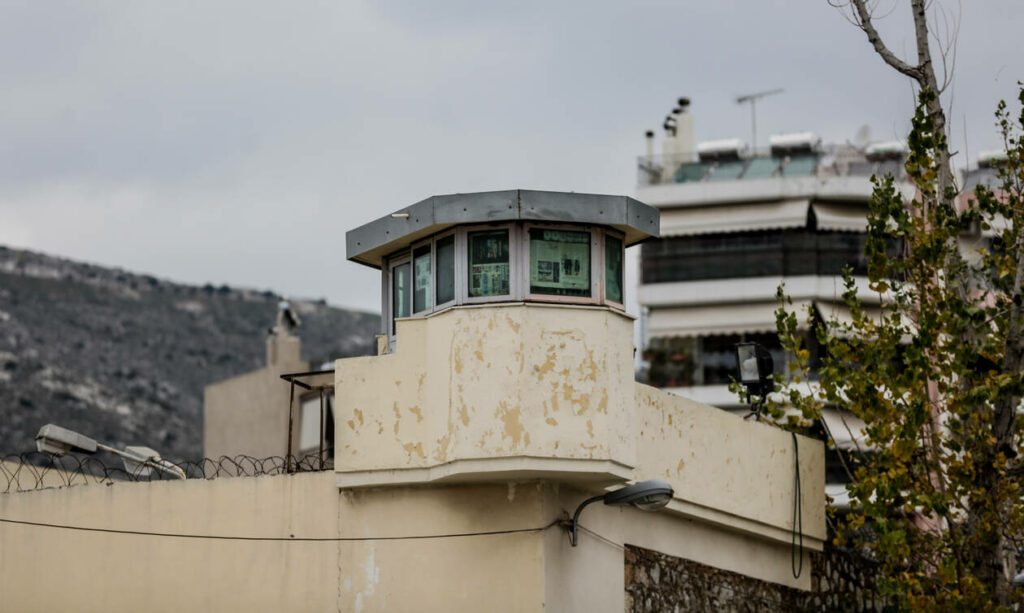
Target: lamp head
x,y
57,441
645,495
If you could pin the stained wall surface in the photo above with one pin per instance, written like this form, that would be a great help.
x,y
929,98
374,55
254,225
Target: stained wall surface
x,y
485,384
547,392
54,569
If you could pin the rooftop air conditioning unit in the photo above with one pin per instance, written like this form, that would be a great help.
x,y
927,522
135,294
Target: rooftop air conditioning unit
x,y
794,143
889,150
721,150
991,159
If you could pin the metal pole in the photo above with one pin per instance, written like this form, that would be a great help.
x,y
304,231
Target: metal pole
x,y
291,403
158,463
753,123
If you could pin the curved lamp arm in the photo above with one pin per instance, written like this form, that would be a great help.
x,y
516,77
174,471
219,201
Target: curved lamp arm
x,y
576,518
646,495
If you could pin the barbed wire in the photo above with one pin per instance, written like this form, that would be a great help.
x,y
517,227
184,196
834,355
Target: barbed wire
x,y
27,472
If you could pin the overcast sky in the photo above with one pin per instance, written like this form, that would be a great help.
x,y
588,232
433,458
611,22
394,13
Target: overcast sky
x,y
236,142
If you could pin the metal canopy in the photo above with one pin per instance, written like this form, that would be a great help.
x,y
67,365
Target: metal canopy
x,y
370,243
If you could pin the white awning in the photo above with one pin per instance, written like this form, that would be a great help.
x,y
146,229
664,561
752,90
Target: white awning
x,y
839,313
841,218
746,318
689,221
846,430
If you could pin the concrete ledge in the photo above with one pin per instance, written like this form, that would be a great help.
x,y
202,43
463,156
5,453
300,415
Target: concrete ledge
x,y
492,469
735,523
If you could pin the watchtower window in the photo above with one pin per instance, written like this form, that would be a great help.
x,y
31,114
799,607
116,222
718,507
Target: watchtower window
x,y
559,262
488,263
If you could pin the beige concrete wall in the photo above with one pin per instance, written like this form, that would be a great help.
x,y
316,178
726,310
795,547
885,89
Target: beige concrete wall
x,y
728,470
570,572
248,414
53,569
477,384
538,392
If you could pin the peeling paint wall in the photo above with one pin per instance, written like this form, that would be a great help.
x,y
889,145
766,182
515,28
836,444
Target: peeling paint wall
x,y
720,464
533,381
553,385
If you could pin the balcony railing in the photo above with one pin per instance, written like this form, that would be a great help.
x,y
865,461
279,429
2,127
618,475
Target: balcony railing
x,y
833,161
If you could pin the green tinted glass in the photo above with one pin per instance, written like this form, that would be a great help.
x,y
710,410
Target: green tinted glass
x,y
559,262
399,293
488,263
613,269
422,296
445,269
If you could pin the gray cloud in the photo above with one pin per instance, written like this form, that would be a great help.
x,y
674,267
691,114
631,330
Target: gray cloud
x,y
236,142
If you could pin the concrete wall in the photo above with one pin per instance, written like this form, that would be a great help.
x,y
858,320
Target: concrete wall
x,y
248,414
738,474
470,388
542,392
51,569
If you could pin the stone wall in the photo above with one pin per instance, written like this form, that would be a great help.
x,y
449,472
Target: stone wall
x,y
657,583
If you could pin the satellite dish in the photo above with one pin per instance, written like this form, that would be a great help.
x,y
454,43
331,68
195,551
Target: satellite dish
x,y
862,137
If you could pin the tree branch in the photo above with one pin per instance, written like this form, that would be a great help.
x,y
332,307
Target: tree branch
x,y
864,23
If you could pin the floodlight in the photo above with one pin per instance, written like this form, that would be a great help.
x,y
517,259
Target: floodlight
x,y
756,368
645,495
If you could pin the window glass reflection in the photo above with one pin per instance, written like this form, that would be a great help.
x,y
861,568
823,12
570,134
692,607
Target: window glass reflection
x,y
422,297
559,262
399,293
445,269
488,263
613,269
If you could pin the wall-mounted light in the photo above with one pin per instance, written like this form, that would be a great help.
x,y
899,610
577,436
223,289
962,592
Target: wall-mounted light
x,y
756,368
645,495
756,374
139,461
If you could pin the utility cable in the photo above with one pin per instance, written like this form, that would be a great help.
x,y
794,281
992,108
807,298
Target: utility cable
x,y
275,538
604,539
798,515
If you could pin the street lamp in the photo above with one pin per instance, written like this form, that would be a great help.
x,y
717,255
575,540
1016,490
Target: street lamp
x,y
139,461
645,495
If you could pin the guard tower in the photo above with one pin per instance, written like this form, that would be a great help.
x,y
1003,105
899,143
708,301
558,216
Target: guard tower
x,y
508,306
506,361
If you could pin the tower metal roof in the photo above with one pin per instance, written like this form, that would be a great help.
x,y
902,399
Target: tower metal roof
x,y
370,243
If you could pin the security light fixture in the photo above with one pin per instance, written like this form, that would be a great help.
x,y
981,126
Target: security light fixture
x,y
139,461
645,495
756,368
56,441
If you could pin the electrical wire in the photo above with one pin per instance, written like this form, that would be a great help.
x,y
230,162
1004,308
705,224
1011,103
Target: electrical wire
x,y
605,539
798,514
275,538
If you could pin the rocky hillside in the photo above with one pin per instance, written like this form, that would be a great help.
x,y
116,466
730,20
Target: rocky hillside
x,y
123,357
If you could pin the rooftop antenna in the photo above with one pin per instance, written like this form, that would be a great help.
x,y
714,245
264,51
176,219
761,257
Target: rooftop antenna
x,y
752,99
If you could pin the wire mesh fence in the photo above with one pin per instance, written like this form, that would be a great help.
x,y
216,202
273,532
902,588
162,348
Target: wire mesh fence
x,y
35,471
